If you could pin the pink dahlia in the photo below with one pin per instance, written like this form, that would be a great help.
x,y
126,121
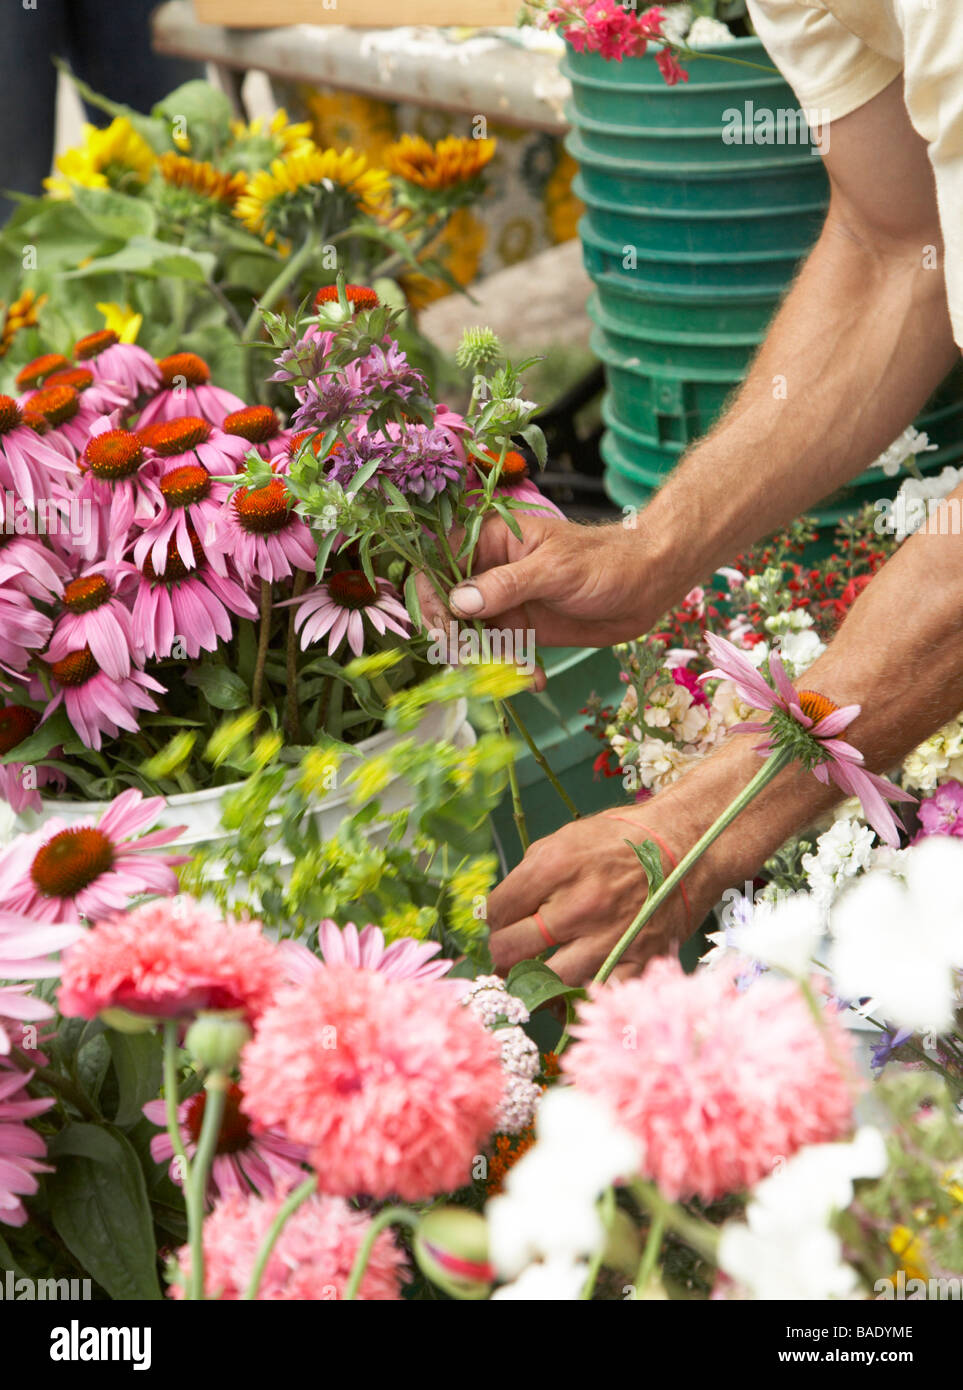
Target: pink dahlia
x,y
716,1082
398,1103
263,533
311,1261
793,711
404,959
125,365
27,462
22,1149
186,390
243,1161
189,505
26,954
338,606
63,872
94,617
193,606
170,959
95,703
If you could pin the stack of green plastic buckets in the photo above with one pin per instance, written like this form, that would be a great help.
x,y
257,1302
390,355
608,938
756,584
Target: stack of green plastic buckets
x,y
691,241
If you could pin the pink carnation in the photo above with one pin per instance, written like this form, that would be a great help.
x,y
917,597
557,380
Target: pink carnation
x,y
170,959
391,1084
717,1083
311,1261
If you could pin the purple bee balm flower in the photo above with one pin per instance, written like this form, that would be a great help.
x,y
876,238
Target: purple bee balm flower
x,y
942,813
387,371
423,462
330,398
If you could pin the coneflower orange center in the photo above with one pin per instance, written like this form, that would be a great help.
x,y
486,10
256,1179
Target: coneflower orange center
x,y
17,722
358,296
56,404
10,414
235,1128
514,465
174,567
170,437
72,860
85,594
301,438
183,369
114,454
257,423
184,485
815,706
265,510
77,377
92,344
76,668
34,372
351,589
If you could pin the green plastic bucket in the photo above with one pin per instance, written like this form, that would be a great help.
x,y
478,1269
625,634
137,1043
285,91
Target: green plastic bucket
x,y
683,310
766,272
681,352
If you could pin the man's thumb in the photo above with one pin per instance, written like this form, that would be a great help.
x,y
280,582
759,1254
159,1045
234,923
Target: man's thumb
x,y
496,590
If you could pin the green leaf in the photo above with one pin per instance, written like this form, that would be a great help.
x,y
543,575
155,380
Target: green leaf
x,y
412,602
99,1208
116,214
56,730
535,984
146,256
137,1063
222,688
535,440
505,513
650,858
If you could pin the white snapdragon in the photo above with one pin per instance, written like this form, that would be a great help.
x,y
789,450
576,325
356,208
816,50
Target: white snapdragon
x,y
799,650
783,935
842,852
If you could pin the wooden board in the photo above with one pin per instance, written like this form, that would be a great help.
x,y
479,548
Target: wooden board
x,y
369,14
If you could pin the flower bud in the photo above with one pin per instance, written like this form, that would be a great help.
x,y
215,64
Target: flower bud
x,y
215,1039
451,1247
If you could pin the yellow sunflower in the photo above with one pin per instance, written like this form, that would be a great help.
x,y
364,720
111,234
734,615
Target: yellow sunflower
x,y
258,142
22,313
303,182
344,118
117,157
200,177
448,162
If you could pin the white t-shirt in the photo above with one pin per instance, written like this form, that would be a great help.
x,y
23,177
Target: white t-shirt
x,y
838,54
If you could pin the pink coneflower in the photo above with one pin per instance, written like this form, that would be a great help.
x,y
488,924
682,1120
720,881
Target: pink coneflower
x,y
716,1081
170,959
404,959
63,871
515,480
94,617
260,426
20,791
190,605
186,390
123,364
26,460
24,630
399,1106
28,565
114,475
22,1149
818,720
190,506
338,606
68,414
189,439
96,704
263,533
243,1161
103,397
26,954
311,1261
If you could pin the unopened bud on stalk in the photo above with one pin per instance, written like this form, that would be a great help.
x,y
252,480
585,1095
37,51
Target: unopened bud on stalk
x,y
215,1039
451,1247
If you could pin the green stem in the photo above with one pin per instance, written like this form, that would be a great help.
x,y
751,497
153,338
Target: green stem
x,y
608,1212
286,275
540,758
196,1184
293,720
688,54
263,642
518,811
171,1092
293,1201
650,1254
404,1216
702,1237
61,1086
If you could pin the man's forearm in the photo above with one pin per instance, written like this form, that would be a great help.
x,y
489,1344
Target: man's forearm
x,y
860,343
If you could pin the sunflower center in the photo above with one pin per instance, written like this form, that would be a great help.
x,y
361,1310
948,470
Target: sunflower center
x,y
351,589
114,454
265,510
70,861
87,593
11,416
183,367
34,372
174,567
170,437
235,1132
92,344
56,404
185,485
17,722
256,423
77,377
76,668
514,465
815,706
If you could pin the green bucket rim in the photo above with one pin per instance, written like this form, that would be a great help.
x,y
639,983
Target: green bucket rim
x,y
692,215
612,248
710,376
678,172
686,294
597,313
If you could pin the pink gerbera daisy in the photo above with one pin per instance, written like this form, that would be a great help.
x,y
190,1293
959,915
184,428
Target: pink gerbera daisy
x,y
20,783
125,365
96,704
399,1106
814,716
63,872
22,1149
186,390
717,1082
26,461
94,617
190,502
26,954
338,606
263,533
170,959
404,959
242,1161
193,606
311,1261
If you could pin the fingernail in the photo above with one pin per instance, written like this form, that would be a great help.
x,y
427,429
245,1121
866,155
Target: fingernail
x,y
467,599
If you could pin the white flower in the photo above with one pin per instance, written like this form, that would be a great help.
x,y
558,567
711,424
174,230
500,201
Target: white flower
x,y
678,19
910,443
785,1249
842,852
788,620
707,33
783,935
898,940
911,507
554,1281
799,650
938,759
